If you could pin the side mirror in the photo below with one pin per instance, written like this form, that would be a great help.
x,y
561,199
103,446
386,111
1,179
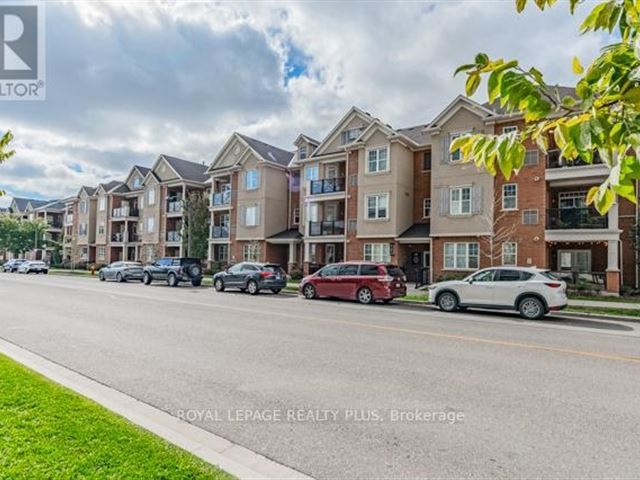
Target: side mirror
x,y
470,281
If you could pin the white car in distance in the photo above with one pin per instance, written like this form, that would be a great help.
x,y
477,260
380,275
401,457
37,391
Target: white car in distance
x,y
531,291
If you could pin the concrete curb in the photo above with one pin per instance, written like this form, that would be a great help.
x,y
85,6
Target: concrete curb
x,y
232,458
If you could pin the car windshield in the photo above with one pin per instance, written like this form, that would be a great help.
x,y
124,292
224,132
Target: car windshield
x,y
272,268
549,275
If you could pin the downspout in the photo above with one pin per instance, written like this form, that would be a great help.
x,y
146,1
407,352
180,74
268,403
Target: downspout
x,y
346,208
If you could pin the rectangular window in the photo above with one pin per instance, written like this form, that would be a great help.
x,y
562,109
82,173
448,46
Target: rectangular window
x,y
350,135
101,252
352,224
426,207
101,229
82,229
302,152
353,180
460,201
378,206
151,225
461,256
151,196
509,129
223,253
102,204
252,179
311,172
378,160
575,260
455,156
530,216
426,160
510,196
531,157
509,253
377,252
575,199
251,252
296,216
251,215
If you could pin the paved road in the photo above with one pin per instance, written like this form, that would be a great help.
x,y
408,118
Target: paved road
x,y
539,399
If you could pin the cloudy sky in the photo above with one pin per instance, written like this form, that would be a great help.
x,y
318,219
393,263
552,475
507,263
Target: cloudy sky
x,y
127,82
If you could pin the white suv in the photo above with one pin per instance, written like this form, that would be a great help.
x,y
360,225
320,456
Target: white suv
x,y
531,291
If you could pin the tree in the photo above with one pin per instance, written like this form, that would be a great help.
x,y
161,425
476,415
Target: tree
x,y
502,227
19,236
195,237
5,153
602,117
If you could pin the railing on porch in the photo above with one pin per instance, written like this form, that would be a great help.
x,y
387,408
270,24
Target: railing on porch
x,y
174,236
575,218
328,185
326,228
554,160
121,237
222,198
219,231
174,206
124,212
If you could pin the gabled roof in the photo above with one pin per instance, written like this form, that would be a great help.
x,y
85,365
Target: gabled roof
x,y
33,204
109,186
51,205
306,138
268,152
416,133
20,204
90,191
417,230
459,102
353,111
187,170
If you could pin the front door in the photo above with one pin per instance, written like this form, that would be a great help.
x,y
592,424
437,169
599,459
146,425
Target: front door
x,y
329,253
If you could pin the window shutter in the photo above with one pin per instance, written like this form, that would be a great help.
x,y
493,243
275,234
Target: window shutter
x,y
443,207
257,214
476,199
444,158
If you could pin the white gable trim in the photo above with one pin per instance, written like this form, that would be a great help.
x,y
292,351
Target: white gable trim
x,y
458,103
350,115
160,159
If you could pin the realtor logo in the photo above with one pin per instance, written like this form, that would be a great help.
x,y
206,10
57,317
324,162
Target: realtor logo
x,y
22,52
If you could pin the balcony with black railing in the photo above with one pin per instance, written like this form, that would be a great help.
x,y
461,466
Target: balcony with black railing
x,y
575,219
174,206
219,231
332,227
174,236
328,185
221,199
555,160
124,212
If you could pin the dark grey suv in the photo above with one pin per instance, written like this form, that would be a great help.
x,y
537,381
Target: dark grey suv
x,y
173,271
251,277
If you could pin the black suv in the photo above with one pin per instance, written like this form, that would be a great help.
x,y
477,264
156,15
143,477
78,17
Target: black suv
x,y
173,271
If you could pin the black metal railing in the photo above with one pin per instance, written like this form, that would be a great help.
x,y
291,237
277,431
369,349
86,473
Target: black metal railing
x,y
554,160
174,236
219,231
125,212
575,218
326,228
222,198
328,185
174,206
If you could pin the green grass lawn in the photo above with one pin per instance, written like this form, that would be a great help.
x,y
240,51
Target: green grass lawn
x,y
604,298
625,312
64,271
47,431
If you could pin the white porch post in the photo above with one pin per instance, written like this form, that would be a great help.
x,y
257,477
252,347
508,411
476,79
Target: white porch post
x,y
292,252
612,217
612,256
307,251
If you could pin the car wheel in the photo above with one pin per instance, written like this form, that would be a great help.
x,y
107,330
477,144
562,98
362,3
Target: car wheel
x,y
172,280
28,272
448,302
365,295
276,290
146,279
252,287
101,277
120,278
46,272
196,282
309,291
531,308
218,284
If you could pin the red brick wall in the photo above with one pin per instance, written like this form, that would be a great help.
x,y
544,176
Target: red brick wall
x,y
626,220
437,254
421,186
353,251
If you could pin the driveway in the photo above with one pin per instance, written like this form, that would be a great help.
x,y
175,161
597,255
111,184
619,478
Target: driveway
x,y
339,390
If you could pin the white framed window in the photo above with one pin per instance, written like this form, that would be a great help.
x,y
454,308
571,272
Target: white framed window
x,y
461,256
251,216
137,182
311,172
509,129
101,229
295,216
252,179
530,216
84,206
82,229
151,224
460,200
350,135
576,199
331,171
102,203
509,253
302,152
426,207
222,253
575,260
102,252
510,196
377,252
377,206
531,157
378,160
151,196
456,155
251,252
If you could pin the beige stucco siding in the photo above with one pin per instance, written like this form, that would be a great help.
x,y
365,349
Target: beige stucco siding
x,y
445,175
148,211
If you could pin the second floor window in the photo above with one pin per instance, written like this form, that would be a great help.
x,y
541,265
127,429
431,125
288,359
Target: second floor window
x,y
456,155
426,207
302,153
252,179
84,206
460,201
82,229
378,160
510,196
101,229
311,172
530,216
378,206
426,160
151,225
295,220
102,204
151,196
251,216
350,135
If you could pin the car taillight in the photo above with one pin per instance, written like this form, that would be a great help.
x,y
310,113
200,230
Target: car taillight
x,y
386,279
265,274
553,285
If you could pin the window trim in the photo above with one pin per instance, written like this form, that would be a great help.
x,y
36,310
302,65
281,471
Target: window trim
x,y
461,214
455,256
257,179
245,249
510,128
377,149
452,137
424,207
256,217
515,185
515,254
366,206
527,210
295,216
382,256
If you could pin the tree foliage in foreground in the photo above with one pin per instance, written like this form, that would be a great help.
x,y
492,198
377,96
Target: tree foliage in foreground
x,y
20,236
603,118
5,153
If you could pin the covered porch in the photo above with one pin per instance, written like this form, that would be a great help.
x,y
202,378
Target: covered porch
x,y
414,254
284,247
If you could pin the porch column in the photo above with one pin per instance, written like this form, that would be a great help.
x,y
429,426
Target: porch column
x,y
613,267
307,251
292,252
612,217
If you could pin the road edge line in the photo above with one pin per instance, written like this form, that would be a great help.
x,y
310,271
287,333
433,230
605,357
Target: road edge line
x,y
230,457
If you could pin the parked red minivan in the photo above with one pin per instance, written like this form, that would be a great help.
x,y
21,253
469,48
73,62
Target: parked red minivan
x,y
365,282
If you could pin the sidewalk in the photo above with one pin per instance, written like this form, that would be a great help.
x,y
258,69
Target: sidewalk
x,y
604,304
